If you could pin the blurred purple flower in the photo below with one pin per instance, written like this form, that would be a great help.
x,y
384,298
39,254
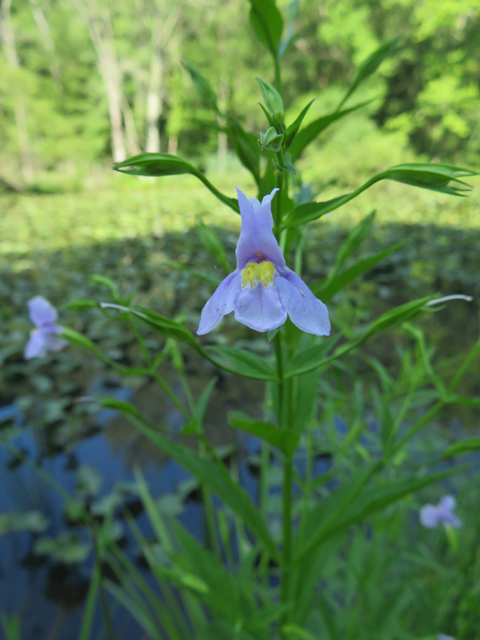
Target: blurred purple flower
x,y
262,290
431,516
442,636
44,337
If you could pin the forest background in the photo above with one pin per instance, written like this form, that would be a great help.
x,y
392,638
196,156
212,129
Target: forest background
x,y
83,82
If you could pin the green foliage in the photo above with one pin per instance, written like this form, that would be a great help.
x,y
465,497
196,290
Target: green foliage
x,y
286,442
306,561
162,164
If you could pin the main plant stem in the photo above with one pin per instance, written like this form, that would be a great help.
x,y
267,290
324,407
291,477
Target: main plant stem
x,y
284,418
284,422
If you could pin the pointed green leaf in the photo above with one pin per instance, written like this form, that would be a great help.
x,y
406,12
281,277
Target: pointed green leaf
x,y
315,128
292,12
292,130
436,177
354,239
464,446
244,363
202,86
285,441
217,479
370,65
308,211
246,148
267,22
79,340
106,282
163,164
354,502
310,359
213,245
273,100
327,291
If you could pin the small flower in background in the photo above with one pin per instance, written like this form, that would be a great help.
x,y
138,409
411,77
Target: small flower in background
x,y
44,337
431,516
262,290
442,636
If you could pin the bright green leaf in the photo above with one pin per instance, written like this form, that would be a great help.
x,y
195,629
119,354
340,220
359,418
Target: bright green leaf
x,y
212,245
273,100
285,441
202,86
267,22
244,363
369,66
163,164
315,128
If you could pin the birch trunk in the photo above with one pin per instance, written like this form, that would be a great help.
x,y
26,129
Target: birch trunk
x,y
101,34
154,102
131,136
8,39
47,41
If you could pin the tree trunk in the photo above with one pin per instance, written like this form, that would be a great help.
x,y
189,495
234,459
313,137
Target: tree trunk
x,y
111,79
47,41
20,111
131,136
154,102
101,34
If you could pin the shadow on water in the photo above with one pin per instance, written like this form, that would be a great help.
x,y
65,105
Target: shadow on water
x,y
63,435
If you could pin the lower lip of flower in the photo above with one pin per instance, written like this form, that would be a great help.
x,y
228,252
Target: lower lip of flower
x,y
256,272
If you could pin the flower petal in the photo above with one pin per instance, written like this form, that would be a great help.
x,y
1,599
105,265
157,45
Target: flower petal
x,y
36,345
453,521
305,310
260,308
429,516
256,237
41,312
220,303
447,503
55,344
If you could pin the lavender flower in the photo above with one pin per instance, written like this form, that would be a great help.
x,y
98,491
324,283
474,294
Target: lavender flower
x,y
262,290
442,636
431,516
44,337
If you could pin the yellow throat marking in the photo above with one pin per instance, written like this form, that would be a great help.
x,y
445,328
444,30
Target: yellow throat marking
x,y
256,272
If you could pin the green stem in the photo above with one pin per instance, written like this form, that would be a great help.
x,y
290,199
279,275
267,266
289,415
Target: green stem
x,y
171,394
284,422
208,505
141,342
103,596
278,76
287,532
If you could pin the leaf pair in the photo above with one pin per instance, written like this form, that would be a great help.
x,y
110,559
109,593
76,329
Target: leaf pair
x,y
436,177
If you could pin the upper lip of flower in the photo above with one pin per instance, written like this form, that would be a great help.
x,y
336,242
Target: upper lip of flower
x,y
266,289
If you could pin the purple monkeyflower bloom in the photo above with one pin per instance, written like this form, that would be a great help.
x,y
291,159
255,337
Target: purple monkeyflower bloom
x,y
44,337
262,290
431,515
